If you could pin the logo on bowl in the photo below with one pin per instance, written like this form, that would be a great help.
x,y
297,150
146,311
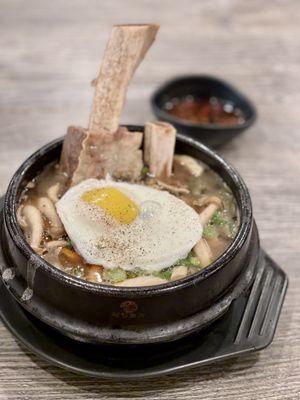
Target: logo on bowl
x,y
128,309
129,306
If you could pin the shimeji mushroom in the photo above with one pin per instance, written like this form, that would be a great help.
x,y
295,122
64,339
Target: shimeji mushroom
x,y
93,273
47,208
216,244
171,188
203,252
179,272
187,166
53,192
30,218
21,220
56,243
213,203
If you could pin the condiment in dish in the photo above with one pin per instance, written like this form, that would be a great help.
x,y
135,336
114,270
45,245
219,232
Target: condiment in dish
x,y
203,107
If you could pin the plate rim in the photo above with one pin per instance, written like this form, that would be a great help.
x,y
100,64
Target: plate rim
x,y
36,348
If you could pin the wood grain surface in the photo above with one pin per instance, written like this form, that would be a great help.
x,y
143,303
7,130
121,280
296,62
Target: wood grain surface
x,y
50,51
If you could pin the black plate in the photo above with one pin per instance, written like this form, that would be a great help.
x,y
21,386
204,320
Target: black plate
x,y
249,325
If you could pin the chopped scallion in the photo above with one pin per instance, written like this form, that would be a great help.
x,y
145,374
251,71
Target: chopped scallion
x,y
145,170
190,260
210,232
218,220
164,274
114,275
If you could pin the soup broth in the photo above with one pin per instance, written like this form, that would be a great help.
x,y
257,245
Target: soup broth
x,y
193,182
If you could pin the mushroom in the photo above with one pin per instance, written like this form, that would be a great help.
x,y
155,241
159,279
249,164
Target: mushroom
x,y
179,272
213,204
217,244
56,243
187,166
93,273
171,188
69,258
21,220
52,256
203,252
47,208
205,200
142,281
33,225
53,192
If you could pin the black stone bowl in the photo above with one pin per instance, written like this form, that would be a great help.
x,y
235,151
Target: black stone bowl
x,y
98,313
203,86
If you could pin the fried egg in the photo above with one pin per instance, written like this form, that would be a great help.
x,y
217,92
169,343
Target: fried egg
x,y
120,224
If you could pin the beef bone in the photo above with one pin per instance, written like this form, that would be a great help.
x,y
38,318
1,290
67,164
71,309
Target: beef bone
x,y
104,147
125,50
117,154
159,145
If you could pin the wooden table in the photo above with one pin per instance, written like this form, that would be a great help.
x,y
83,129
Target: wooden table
x,y
50,51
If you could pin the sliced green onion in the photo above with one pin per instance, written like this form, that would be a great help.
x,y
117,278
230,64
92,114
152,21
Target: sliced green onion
x,y
210,232
135,273
114,275
163,274
145,170
190,260
193,261
218,220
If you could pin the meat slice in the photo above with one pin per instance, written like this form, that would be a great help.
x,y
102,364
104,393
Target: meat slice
x,y
71,150
117,154
159,146
187,167
125,50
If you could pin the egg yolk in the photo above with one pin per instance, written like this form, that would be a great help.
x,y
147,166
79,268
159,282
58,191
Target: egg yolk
x,y
114,202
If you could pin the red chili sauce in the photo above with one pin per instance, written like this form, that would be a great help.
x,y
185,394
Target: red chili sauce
x,y
210,110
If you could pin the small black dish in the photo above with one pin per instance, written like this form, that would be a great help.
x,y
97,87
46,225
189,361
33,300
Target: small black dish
x,y
249,325
202,86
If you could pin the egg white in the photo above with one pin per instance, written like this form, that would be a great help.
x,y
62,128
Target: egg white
x,y
164,232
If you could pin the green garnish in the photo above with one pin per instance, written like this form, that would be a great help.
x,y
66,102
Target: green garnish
x,y
218,220
210,232
220,225
194,262
145,170
131,274
163,274
136,272
114,275
189,261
